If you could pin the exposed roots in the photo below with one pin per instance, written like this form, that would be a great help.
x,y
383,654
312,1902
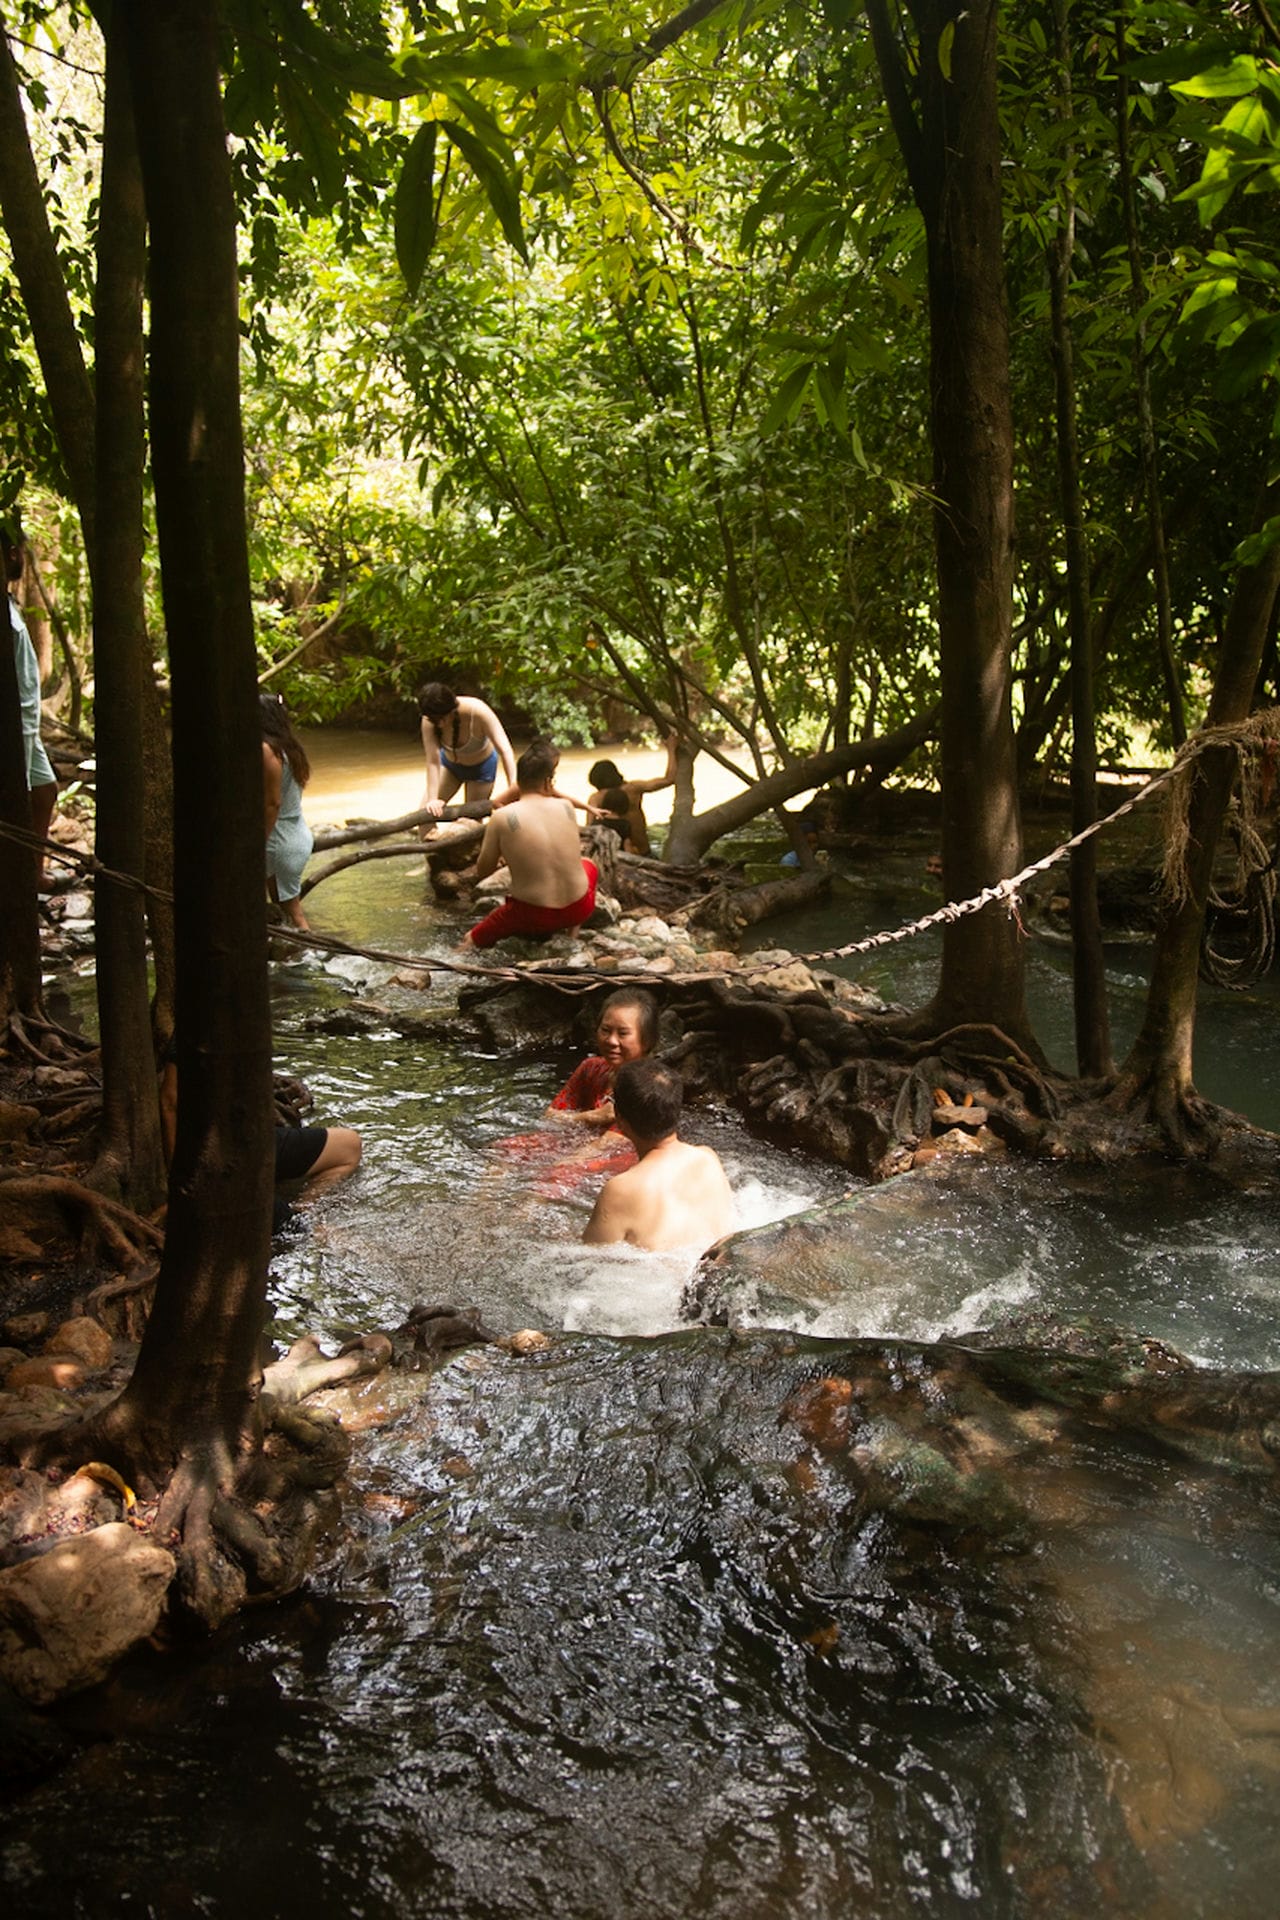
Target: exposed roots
x,y
34,1037
242,1519
43,1205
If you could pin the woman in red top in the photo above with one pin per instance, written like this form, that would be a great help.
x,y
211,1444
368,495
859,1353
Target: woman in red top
x,y
628,1030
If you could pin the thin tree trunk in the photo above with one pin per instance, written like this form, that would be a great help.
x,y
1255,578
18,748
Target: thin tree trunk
x,y
1146,421
130,1155
1158,1070
1093,1031
191,1396
945,111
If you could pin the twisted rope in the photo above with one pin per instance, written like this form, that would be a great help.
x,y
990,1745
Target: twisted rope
x,y
1252,733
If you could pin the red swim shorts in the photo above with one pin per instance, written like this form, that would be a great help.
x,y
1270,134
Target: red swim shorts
x,y
517,918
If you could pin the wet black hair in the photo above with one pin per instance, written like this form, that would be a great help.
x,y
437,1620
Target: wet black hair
x,y
537,763
648,1095
605,774
436,701
277,731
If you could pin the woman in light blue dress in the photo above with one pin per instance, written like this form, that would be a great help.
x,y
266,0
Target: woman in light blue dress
x,y
285,772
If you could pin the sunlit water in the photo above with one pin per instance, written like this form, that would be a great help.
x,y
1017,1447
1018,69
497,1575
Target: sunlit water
x,y
616,1634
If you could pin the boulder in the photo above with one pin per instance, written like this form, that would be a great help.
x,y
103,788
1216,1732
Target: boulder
x,y
47,1370
84,1339
69,1615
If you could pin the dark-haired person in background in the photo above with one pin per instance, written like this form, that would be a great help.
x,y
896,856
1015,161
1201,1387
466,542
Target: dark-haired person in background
x,y
285,772
676,1195
42,781
617,803
464,742
553,889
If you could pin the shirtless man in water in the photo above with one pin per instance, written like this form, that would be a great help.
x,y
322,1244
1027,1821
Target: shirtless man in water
x,y
676,1195
536,837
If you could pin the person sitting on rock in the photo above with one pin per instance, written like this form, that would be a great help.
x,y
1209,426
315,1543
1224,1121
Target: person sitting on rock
x,y
553,889
676,1195
627,1030
317,1156
617,803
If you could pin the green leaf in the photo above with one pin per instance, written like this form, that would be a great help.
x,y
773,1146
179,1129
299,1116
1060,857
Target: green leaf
x,y
1252,356
415,208
1223,82
500,188
786,401
314,135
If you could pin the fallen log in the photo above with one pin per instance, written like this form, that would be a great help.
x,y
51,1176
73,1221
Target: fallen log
x,y
360,830
730,909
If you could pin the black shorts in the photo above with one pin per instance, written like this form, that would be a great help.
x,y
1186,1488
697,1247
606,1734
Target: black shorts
x,y
297,1150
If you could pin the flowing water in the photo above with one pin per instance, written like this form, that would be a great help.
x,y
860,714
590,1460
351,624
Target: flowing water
x,y
806,1615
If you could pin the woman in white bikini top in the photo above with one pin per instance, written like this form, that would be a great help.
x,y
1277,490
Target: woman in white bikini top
x,y
464,743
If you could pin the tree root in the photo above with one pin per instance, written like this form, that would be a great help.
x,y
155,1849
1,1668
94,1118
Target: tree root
x,y
123,1306
107,1230
55,1046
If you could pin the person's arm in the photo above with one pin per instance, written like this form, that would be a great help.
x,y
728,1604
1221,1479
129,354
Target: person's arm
x,y
586,1098
583,805
272,786
431,749
637,787
498,738
490,848
609,1217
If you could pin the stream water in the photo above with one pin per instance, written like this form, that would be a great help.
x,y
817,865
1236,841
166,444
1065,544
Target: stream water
x,y
807,1615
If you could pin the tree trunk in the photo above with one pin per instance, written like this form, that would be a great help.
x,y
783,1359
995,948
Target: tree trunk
x,y
1089,980
691,834
191,1397
1142,384
130,1158
1158,1071
945,111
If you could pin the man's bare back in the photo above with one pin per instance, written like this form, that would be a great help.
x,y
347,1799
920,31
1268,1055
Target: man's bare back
x,y
677,1196
536,838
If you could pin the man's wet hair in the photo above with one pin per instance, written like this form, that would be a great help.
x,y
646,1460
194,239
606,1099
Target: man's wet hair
x,y
648,1095
537,763
646,1009
605,773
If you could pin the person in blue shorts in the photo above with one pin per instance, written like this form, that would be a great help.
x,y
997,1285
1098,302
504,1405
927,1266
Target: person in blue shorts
x,y
465,743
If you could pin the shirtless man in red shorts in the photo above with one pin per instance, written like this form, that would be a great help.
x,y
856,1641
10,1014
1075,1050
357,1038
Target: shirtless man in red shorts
x,y
552,887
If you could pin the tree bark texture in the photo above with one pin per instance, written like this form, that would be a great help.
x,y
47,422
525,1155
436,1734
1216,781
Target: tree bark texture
x,y
131,1157
1160,1062
945,113
197,1371
1089,978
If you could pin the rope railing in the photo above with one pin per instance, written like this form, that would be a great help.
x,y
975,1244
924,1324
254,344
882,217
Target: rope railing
x,y
1201,742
